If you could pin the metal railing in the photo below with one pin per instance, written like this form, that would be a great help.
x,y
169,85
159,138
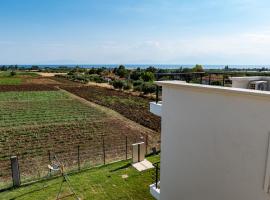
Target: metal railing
x,y
206,78
156,174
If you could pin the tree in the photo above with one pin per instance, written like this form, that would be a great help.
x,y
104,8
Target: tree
x,y
121,71
197,68
136,74
147,76
226,68
151,69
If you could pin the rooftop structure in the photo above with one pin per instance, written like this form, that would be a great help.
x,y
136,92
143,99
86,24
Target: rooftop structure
x,y
215,142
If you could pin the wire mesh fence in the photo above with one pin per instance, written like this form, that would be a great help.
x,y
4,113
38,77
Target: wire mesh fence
x,y
99,150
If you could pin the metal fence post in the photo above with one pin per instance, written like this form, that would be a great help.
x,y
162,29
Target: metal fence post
x,y
146,144
15,170
49,158
78,158
103,146
126,147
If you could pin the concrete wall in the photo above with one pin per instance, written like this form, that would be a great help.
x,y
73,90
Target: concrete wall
x,y
214,143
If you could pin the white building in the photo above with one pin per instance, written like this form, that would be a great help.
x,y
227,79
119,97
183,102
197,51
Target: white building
x,y
214,143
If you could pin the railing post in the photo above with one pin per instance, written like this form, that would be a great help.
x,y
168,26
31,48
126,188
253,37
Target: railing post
x,y
223,80
209,79
201,75
156,175
157,93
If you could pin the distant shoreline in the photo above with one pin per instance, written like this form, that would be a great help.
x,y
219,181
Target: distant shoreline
x,y
143,66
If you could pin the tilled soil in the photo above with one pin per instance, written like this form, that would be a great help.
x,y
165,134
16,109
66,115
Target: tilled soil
x,y
132,107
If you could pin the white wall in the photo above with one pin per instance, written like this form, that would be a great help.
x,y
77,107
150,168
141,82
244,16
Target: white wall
x,y
214,143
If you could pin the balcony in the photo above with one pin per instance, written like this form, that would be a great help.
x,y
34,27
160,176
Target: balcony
x,y
156,108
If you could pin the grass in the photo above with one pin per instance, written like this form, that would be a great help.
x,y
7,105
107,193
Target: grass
x,y
96,184
7,79
32,108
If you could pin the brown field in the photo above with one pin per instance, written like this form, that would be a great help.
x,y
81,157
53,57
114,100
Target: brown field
x,y
133,107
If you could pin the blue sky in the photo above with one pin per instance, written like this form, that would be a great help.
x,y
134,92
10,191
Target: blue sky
x,y
134,31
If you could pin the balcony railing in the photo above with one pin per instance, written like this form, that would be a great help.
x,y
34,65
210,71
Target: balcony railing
x,y
157,174
155,187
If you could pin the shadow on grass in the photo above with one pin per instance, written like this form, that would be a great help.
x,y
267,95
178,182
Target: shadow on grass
x,y
35,190
121,167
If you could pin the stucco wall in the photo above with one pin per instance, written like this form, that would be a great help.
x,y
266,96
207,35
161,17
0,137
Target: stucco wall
x,y
214,144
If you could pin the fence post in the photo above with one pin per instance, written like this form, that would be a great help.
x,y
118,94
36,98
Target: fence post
x,y
15,170
126,147
146,144
78,157
49,158
103,146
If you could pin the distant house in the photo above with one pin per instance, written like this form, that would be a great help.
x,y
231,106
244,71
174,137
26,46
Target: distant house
x,y
214,141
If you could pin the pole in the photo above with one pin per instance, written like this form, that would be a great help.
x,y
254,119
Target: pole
x,y
78,157
126,147
103,146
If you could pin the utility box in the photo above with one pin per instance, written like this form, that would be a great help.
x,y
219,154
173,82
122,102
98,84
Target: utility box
x,y
138,152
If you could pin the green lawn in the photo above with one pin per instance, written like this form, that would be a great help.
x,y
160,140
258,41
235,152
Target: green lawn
x,y
96,184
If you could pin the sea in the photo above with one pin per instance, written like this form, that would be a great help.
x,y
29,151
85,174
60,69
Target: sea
x,y
143,66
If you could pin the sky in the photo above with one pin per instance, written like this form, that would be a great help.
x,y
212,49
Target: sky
x,y
135,32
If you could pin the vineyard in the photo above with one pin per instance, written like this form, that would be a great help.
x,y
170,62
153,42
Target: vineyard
x,y
37,124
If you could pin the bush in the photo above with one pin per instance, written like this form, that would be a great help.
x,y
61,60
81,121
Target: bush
x,y
147,76
216,83
137,83
137,88
118,84
127,86
96,78
148,88
12,73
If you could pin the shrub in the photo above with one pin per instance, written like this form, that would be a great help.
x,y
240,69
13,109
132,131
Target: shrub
x,y
12,73
137,83
148,88
96,78
147,76
118,84
135,75
137,88
216,83
127,85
